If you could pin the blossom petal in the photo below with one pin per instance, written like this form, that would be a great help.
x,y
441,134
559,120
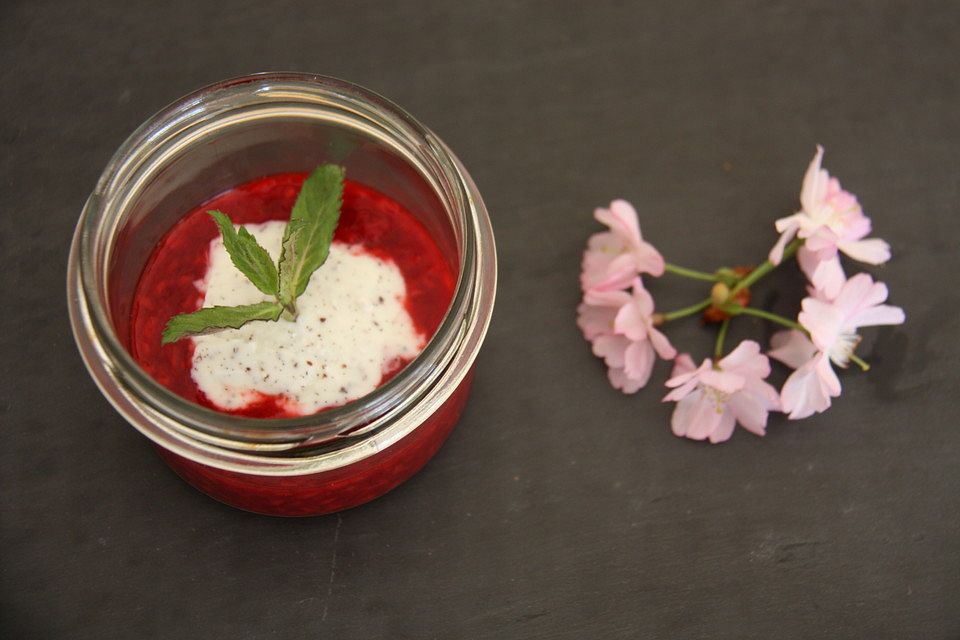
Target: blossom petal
x,y
682,364
638,362
724,381
803,393
776,253
620,380
682,378
686,380
622,220
695,416
601,298
883,314
808,389
612,348
815,180
750,411
602,249
833,325
742,354
619,273
660,342
621,217
684,413
648,259
829,276
764,393
606,243
595,321
808,261
631,321
724,428
859,302
681,392
853,224
823,320
792,348
858,292
824,274
793,221
747,360
831,383
871,251
642,297
822,241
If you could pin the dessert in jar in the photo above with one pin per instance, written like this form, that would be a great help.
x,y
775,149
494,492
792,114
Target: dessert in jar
x,y
353,396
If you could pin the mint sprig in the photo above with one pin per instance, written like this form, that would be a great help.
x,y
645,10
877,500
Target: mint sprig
x,y
248,256
306,245
307,237
210,319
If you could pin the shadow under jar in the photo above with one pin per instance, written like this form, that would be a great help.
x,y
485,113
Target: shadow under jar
x,y
231,133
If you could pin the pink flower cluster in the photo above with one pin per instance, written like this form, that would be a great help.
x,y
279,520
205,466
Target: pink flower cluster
x,y
714,397
832,326
620,324
711,399
830,220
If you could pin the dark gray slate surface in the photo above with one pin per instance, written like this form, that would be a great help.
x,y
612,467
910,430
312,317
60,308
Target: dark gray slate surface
x,y
559,508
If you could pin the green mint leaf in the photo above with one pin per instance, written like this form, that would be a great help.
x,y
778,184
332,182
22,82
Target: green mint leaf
x,y
307,237
305,247
247,255
289,250
211,319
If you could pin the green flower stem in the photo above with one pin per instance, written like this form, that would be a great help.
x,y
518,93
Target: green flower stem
x,y
690,273
765,268
721,336
686,311
737,310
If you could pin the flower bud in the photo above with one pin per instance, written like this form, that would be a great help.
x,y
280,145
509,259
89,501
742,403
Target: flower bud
x,y
719,294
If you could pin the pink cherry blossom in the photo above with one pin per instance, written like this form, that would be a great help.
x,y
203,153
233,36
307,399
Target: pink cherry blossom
x,y
596,313
614,258
713,398
620,326
825,274
832,325
830,220
808,389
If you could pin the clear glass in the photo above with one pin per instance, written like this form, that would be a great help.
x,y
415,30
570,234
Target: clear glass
x,y
227,134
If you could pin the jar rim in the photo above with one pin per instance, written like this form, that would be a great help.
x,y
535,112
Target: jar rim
x,y
350,421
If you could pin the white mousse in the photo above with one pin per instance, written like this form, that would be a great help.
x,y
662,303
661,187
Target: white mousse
x,y
350,328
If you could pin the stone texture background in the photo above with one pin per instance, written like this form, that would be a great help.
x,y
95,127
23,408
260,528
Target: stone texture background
x,y
559,508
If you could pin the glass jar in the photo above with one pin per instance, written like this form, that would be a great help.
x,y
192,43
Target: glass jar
x,y
227,134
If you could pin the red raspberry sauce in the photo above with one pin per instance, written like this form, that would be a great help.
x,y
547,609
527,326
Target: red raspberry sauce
x,y
368,218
